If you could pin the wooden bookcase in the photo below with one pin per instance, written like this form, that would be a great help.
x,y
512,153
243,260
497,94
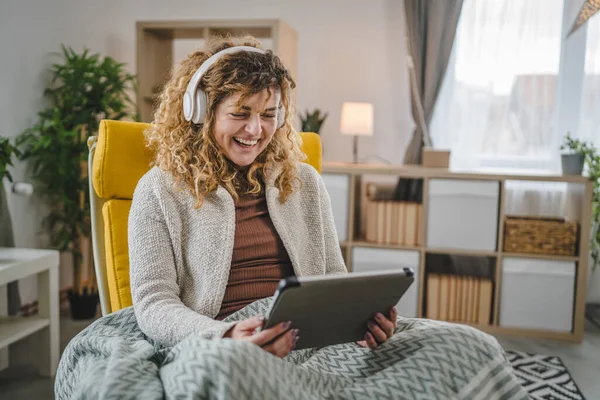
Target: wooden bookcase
x,y
351,233
155,39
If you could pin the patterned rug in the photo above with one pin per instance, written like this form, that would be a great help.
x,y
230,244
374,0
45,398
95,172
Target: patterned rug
x,y
544,377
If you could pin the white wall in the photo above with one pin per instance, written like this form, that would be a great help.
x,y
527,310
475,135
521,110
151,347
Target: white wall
x,y
356,57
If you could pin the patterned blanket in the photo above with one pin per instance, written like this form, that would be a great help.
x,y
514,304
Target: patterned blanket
x,y
424,359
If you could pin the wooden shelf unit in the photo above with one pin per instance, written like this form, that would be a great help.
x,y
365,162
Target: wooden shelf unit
x,y
154,46
353,238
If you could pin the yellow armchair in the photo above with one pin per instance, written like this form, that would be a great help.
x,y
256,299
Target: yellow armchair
x,y
118,158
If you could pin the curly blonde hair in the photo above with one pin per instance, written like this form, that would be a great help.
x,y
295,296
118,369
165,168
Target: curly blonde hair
x,y
191,153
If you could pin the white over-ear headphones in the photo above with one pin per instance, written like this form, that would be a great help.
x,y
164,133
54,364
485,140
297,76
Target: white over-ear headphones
x,y
195,100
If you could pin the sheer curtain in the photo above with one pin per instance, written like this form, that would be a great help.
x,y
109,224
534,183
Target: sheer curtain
x,y
497,105
589,120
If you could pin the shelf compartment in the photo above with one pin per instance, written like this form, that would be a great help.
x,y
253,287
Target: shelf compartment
x,y
390,221
338,188
460,288
459,298
367,259
540,235
462,214
537,294
13,329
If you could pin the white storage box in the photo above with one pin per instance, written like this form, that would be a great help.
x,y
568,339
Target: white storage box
x,y
537,294
338,186
463,214
365,259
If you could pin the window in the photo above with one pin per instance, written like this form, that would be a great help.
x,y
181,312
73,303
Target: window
x,y
497,107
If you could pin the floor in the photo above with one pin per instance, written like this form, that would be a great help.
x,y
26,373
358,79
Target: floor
x,y
22,381
583,361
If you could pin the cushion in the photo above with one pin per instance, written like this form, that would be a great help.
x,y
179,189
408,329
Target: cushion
x,y
121,159
116,215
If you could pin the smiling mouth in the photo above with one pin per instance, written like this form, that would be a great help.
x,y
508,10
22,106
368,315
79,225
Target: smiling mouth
x,y
246,143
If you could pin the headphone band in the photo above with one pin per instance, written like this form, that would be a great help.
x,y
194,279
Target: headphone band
x,y
210,61
189,100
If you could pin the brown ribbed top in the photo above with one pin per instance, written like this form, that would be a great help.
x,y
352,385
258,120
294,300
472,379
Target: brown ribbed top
x,y
259,258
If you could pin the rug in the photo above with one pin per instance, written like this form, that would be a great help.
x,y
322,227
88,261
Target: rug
x,y
544,377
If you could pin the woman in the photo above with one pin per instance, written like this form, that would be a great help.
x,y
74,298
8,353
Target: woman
x,y
229,208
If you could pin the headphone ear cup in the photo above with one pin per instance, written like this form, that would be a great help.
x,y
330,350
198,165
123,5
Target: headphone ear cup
x,y
188,105
201,104
280,117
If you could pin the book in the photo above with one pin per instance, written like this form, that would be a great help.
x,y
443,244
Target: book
x,y
452,298
470,299
475,304
459,297
433,287
465,300
420,224
444,296
388,222
400,222
485,301
380,236
410,224
392,222
369,221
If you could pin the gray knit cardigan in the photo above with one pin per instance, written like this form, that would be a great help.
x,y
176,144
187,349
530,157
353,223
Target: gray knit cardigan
x,y
180,256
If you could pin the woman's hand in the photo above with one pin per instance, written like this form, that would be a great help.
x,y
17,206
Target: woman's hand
x,y
275,340
380,329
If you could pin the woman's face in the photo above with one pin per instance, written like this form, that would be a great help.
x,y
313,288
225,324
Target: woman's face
x,y
244,130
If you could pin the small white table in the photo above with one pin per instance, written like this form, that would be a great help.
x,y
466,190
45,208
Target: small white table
x,y
18,263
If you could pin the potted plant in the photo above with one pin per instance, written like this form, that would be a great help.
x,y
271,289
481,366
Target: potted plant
x,y
591,161
85,88
573,155
592,164
7,153
312,121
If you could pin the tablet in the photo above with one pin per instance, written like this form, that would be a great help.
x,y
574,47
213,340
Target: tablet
x,y
333,309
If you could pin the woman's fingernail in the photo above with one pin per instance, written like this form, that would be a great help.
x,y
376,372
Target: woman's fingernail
x,y
367,336
370,324
296,340
394,309
287,324
378,316
295,332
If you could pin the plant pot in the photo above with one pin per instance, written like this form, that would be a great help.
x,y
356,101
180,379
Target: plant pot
x,y
83,306
572,164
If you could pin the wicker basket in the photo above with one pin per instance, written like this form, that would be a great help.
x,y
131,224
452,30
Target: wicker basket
x,y
552,236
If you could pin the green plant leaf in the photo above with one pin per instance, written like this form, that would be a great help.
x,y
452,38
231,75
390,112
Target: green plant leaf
x,y
592,165
312,121
85,87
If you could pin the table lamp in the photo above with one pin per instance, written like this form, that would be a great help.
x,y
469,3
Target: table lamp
x,y
357,120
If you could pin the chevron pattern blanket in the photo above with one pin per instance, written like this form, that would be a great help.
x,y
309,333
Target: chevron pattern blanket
x,y
425,359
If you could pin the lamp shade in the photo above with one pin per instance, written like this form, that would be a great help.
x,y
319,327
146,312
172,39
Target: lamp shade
x,y
357,119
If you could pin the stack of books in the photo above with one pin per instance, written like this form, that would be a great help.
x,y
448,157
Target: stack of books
x,y
459,298
389,221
